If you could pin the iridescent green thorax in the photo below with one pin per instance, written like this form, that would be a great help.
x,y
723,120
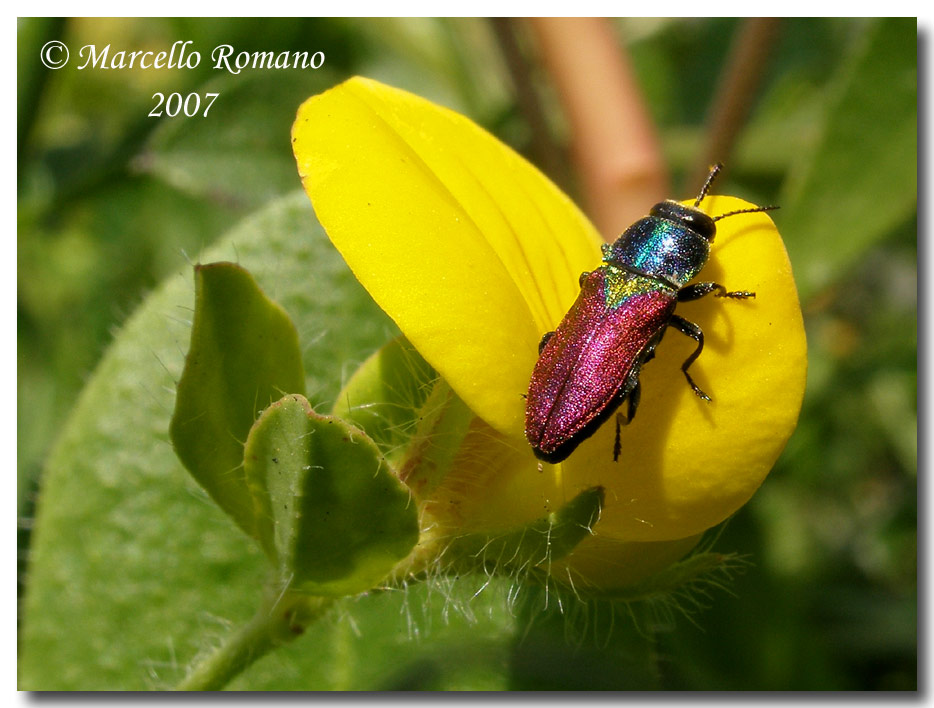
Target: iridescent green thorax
x,y
622,285
662,248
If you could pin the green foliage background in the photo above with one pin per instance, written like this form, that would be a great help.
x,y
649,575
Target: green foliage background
x,y
127,570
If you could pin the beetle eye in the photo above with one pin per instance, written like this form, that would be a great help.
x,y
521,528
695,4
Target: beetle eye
x,y
700,223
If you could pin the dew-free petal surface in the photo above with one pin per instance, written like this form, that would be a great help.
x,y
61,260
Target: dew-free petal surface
x,y
423,206
461,241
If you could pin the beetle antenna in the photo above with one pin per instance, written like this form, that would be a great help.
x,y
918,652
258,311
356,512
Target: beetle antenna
x,y
710,178
771,207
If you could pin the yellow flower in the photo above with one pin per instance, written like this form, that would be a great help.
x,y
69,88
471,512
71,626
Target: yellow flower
x,y
475,255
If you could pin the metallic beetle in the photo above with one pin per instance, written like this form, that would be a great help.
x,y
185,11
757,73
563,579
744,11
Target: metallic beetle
x,y
591,363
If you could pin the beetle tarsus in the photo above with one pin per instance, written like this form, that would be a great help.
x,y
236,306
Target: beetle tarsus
x,y
699,290
617,443
735,294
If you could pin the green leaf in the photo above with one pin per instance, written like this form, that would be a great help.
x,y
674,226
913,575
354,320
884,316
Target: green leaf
x,y
342,518
244,355
132,568
859,181
385,395
134,571
453,638
414,417
440,429
522,549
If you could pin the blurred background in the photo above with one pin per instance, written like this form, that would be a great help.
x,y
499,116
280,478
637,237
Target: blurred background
x,y
817,115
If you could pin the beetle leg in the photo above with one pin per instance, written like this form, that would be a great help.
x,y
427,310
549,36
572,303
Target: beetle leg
x,y
545,338
694,332
698,290
634,397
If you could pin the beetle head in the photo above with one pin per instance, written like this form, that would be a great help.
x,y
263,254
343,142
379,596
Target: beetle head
x,y
714,171
689,217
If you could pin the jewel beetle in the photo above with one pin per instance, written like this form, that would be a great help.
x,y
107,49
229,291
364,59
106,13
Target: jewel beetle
x,y
590,364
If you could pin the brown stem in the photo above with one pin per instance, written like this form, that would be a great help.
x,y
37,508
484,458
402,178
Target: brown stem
x,y
544,150
731,103
615,148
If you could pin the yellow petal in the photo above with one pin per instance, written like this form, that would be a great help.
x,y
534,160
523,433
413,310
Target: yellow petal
x,y
603,563
687,465
476,255
469,248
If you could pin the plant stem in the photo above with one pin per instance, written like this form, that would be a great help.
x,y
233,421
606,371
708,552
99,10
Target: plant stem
x,y
616,150
742,74
544,150
279,620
